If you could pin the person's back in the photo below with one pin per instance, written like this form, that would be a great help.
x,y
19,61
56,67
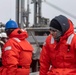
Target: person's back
x,y
17,52
59,50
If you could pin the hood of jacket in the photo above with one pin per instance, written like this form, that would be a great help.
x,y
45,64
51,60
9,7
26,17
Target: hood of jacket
x,y
19,33
66,25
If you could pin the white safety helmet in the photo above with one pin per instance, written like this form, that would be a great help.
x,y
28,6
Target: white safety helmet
x,y
3,34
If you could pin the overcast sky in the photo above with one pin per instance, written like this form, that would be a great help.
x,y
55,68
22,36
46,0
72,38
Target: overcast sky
x,y
65,7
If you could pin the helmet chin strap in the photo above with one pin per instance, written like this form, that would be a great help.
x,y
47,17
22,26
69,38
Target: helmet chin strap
x,y
58,35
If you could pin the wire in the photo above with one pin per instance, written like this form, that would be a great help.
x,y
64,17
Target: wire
x,y
61,10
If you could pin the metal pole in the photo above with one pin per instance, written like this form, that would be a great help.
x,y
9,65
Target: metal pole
x,y
27,17
39,11
35,12
22,10
17,11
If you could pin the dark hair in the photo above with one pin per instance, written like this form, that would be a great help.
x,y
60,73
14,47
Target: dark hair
x,y
9,31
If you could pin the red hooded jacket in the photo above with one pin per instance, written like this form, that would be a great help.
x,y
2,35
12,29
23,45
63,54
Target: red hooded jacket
x,y
16,54
59,58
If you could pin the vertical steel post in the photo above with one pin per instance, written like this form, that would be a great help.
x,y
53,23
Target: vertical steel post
x,y
27,17
35,12
19,12
39,12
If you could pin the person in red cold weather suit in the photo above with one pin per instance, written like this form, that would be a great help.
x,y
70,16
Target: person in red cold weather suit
x,y
17,51
58,55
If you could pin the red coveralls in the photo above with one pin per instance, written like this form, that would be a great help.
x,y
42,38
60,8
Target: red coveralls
x,y
61,56
16,54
